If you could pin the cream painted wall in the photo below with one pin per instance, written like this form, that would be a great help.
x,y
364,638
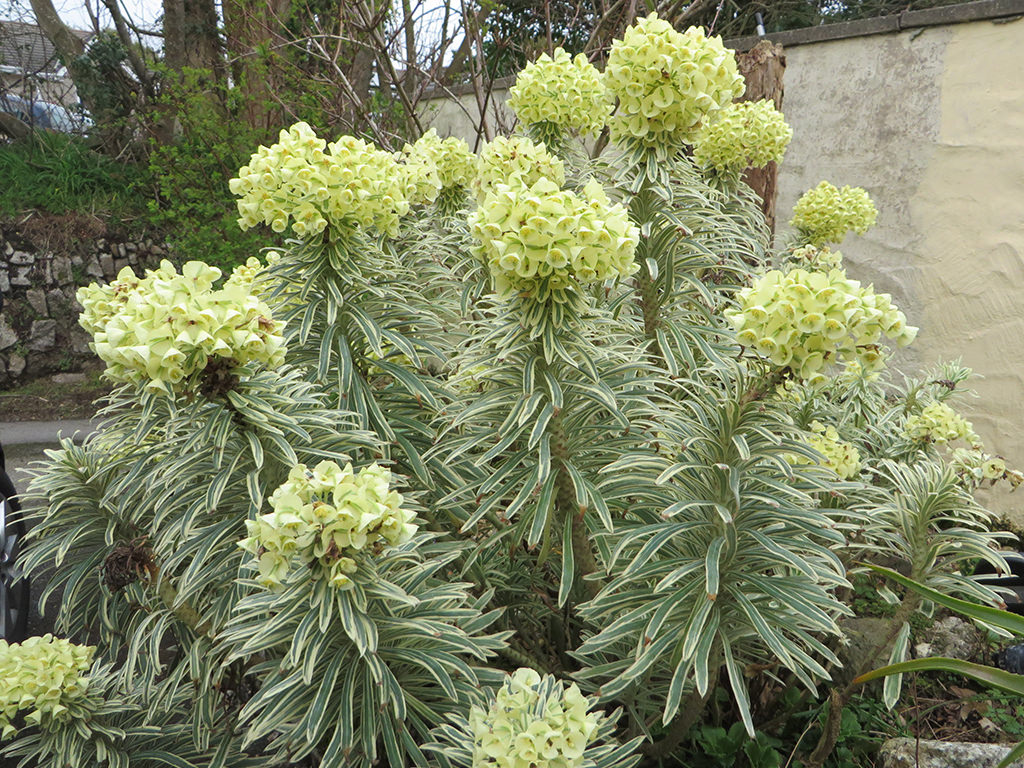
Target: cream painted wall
x,y
931,123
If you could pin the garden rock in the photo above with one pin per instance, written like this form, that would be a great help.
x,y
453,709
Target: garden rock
x,y
15,365
37,300
953,638
910,753
858,652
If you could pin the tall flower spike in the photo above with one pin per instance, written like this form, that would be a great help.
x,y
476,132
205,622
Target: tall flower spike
x,y
747,134
164,328
826,213
515,160
308,184
40,677
532,722
543,242
557,94
327,516
805,321
668,82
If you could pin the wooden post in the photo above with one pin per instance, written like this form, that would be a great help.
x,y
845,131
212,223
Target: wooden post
x,y
763,67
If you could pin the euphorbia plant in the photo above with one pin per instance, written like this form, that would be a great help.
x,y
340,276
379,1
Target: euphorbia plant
x,y
494,443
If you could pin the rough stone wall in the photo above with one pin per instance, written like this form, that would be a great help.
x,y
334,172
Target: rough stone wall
x,y
39,331
931,123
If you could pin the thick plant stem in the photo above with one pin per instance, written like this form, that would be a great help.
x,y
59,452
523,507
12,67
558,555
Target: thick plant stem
x,y
565,505
690,711
839,699
184,612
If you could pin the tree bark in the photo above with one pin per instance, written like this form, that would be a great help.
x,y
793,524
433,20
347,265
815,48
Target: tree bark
x,y
69,46
763,67
191,38
253,28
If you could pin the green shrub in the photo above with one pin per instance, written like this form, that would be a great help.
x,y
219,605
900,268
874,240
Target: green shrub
x,y
343,499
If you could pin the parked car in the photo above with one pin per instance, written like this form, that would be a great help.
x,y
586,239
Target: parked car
x,y
14,588
39,114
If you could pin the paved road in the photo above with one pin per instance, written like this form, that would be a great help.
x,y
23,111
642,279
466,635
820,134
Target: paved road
x,y
24,443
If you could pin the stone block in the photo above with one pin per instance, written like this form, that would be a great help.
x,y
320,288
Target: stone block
x,y
68,378
56,300
93,268
37,300
911,753
62,270
8,249
43,335
107,265
5,282
8,337
21,277
22,259
15,365
119,264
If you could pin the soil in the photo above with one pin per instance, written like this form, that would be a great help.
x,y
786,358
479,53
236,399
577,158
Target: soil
x,y
52,398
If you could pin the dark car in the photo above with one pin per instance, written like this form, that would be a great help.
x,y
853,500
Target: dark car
x,y
14,589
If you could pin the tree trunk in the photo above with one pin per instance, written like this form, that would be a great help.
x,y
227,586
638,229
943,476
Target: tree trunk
x,y
253,28
763,67
191,38
69,46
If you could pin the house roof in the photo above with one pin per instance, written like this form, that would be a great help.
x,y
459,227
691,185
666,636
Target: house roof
x,y
24,48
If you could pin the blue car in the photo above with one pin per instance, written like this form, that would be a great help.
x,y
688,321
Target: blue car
x,y
38,114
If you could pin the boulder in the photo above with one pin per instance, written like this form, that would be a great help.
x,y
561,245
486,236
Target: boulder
x,y
911,753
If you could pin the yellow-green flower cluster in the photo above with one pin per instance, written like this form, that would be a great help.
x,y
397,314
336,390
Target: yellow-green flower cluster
x,y
841,457
814,257
422,184
532,724
162,329
514,160
974,466
543,241
746,134
807,320
327,516
668,82
826,213
454,161
40,677
305,181
562,92
939,423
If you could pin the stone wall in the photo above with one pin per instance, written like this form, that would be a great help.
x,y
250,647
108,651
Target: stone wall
x,y
39,331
